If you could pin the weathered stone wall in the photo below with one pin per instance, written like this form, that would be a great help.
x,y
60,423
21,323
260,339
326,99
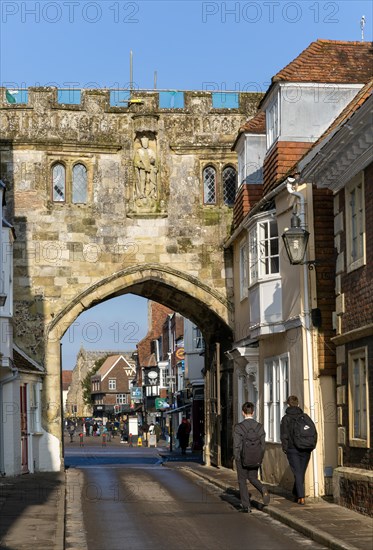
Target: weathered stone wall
x,y
157,240
64,249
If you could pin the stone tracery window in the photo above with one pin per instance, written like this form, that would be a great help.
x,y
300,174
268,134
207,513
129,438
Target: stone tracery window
x,y
69,182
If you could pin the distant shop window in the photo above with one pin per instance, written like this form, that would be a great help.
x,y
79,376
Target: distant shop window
x,y
209,185
358,398
112,384
171,100
229,185
121,398
59,182
223,100
79,185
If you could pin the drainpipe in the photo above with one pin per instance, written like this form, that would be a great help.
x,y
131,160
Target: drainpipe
x,y
307,325
10,378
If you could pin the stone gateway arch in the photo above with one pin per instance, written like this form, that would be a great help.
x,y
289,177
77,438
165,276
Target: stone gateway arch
x,y
109,200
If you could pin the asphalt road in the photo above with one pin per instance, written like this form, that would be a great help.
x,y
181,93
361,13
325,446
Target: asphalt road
x,y
126,499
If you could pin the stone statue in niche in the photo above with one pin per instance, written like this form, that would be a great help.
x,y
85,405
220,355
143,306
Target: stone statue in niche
x,y
146,169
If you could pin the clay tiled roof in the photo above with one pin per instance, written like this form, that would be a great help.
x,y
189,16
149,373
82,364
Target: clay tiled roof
x,y
256,125
67,376
331,61
110,361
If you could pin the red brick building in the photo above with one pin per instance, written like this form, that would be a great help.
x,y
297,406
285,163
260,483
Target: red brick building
x,y
111,385
285,315
342,162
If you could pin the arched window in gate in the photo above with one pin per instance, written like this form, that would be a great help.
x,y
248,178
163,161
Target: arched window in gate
x,y
209,185
59,183
229,178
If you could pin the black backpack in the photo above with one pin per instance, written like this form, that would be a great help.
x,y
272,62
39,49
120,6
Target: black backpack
x,y
252,452
304,433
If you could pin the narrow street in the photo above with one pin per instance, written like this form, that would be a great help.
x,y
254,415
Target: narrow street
x,y
121,497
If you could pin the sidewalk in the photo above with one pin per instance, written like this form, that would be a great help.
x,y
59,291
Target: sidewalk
x,y
32,508
333,526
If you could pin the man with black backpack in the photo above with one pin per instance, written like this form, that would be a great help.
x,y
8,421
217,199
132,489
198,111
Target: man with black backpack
x,y
249,447
298,437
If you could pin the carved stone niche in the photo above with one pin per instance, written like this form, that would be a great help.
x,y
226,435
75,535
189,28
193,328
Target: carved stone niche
x,y
146,200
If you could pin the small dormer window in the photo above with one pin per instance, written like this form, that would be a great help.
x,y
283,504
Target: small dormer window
x,y
272,122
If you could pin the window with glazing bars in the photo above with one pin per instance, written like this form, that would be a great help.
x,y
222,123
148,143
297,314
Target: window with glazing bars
x,y
229,185
79,184
58,182
209,185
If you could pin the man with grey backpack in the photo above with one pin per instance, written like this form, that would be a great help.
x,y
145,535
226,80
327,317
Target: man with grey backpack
x,y
248,448
298,437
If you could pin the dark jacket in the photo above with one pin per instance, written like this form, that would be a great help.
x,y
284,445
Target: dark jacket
x,y
286,429
238,436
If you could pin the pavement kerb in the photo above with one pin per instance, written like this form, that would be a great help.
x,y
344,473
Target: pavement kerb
x,y
312,532
61,515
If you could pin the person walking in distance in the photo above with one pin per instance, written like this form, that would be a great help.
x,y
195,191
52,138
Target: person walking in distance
x,y
248,448
183,435
298,437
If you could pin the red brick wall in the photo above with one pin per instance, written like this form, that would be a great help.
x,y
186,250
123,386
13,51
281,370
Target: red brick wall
x,y
248,195
158,314
357,286
325,276
280,160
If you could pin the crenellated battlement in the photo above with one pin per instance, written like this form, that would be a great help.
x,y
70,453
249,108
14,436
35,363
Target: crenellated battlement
x,y
128,101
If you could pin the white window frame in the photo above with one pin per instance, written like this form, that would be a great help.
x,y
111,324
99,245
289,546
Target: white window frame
x,y
358,397
260,254
121,399
112,384
276,392
273,121
241,160
355,223
243,269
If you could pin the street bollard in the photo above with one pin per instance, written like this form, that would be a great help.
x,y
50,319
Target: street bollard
x,y
81,443
130,440
103,440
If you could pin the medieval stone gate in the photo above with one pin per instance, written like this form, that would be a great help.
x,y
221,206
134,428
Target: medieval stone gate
x,y
107,200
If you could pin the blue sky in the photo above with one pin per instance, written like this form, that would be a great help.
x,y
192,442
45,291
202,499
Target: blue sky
x,y
191,45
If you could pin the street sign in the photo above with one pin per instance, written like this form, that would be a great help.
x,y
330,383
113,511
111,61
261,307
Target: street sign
x,y
179,353
136,393
161,403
